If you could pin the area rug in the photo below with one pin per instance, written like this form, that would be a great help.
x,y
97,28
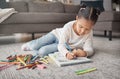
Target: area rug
x,y
106,59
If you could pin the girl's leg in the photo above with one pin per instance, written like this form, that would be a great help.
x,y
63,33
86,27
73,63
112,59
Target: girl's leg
x,y
38,43
45,50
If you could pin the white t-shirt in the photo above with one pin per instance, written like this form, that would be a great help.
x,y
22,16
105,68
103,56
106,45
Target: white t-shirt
x,y
67,35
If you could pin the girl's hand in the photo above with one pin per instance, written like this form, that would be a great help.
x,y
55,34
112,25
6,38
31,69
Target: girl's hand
x,y
79,53
70,56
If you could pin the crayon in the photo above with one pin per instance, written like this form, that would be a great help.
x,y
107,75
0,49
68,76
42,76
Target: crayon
x,y
30,65
80,71
18,58
29,59
44,60
26,57
9,62
68,47
35,57
9,56
85,71
27,66
3,60
41,66
34,66
21,67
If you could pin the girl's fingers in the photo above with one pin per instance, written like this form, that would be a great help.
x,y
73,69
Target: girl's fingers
x,y
71,56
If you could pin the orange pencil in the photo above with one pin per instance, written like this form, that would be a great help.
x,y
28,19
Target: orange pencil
x,y
9,62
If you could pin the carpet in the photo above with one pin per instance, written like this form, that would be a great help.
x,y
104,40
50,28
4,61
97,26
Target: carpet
x,y
106,59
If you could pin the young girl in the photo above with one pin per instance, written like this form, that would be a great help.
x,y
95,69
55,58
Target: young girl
x,y
73,40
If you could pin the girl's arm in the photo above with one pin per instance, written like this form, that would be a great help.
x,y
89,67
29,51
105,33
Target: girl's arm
x,y
87,49
63,39
88,46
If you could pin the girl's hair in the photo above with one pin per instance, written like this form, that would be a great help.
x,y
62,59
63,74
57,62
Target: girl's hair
x,y
89,13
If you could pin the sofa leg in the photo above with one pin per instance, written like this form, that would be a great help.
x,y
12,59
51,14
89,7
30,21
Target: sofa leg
x,y
105,33
33,36
110,35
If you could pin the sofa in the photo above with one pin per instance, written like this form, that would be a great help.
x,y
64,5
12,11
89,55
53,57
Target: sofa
x,y
109,20
37,17
41,17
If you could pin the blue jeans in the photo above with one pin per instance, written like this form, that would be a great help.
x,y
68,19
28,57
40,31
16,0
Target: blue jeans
x,y
45,45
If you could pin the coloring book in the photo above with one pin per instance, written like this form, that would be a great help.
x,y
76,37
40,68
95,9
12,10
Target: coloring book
x,y
60,60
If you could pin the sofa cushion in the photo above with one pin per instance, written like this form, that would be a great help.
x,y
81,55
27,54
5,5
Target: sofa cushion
x,y
46,7
109,16
19,6
39,18
71,8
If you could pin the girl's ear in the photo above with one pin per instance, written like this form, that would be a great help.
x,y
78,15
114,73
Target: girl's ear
x,y
76,17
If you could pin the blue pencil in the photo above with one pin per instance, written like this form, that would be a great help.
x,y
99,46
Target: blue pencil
x,y
68,47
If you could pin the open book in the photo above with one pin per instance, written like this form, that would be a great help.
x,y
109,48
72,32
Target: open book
x,y
60,60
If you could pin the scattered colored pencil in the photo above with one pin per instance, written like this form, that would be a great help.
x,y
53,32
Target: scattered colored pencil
x,y
85,71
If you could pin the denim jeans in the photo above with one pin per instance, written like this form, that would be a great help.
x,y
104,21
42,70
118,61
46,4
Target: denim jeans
x,y
44,45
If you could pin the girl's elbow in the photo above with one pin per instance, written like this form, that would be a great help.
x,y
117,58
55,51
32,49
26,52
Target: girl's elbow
x,y
90,53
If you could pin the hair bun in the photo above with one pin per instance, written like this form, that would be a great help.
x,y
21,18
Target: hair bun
x,y
82,5
98,11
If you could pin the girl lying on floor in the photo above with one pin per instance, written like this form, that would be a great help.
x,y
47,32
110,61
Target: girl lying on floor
x,y
73,40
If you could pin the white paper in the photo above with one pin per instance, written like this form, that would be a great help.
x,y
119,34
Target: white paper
x,y
60,60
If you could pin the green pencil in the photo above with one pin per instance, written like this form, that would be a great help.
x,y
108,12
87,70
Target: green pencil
x,y
81,70
85,71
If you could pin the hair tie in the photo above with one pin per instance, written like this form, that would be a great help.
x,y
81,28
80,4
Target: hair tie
x,y
82,8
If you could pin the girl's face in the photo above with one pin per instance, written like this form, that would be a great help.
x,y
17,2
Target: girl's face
x,y
83,26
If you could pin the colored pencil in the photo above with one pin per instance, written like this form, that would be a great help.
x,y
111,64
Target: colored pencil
x,y
85,71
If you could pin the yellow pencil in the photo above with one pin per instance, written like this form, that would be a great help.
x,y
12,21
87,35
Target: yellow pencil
x,y
18,58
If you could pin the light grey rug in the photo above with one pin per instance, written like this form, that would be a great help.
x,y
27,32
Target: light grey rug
x,y
106,60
